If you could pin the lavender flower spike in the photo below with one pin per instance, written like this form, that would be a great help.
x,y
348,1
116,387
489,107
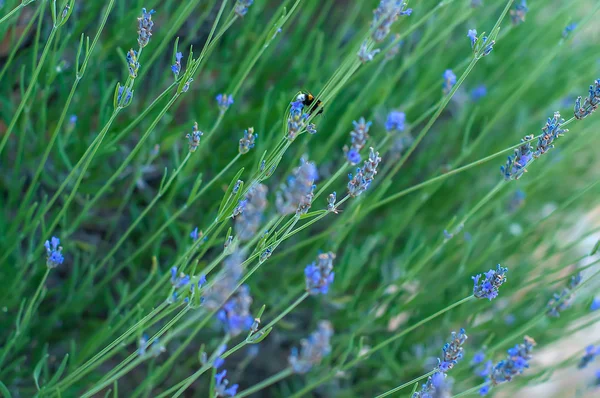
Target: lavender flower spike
x,y
453,351
145,25
488,288
54,256
320,275
360,182
221,388
313,349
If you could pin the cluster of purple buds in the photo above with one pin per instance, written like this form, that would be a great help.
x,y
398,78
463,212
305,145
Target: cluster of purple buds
x,y
481,47
298,189
331,199
306,201
132,63
563,300
437,386
249,219
515,165
358,139
591,102
515,364
179,280
550,132
224,101
235,314
449,81
221,384
145,25
176,67
590,354
365,54
313,349
517,14
226,283
155,349
194,137
395,121
247,142
241,7
568,29
478,92
196,234
54,256
128,96
360,182
385,15
319,275
297,121
488,288
452,351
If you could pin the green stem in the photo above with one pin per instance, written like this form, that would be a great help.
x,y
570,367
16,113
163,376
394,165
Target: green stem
x,y
266,382
32,84
407,384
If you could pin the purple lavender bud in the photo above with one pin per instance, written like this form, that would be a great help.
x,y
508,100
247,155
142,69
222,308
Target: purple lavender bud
x,y
312,350
54,256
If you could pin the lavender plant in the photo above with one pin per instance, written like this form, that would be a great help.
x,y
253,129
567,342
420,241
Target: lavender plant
x,y
202,260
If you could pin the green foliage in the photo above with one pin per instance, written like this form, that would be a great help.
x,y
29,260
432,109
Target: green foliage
x,y
119,187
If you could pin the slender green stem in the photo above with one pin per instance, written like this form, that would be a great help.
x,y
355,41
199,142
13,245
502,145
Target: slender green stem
x,y
32,85
12,12
266,382
407,384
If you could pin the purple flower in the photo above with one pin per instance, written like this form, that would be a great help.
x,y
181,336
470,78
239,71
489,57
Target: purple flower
x,y
452,351
224,101
385,15
517,15
590,354
313,349
395,121
516,362
235,314
54,256
176,68
145,25
180,280
221,388
248,222
595,304
365,55
472,35
515,165
353,156
247,142
360,182
478,92
241,7
320,275
478,358
194,138
591,102
568,29
298,189
488,288
195,234
449,80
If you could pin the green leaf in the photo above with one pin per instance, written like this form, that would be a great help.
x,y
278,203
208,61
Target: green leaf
x,y
227,195
595,249
260,336
60,371
38,370
4,391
